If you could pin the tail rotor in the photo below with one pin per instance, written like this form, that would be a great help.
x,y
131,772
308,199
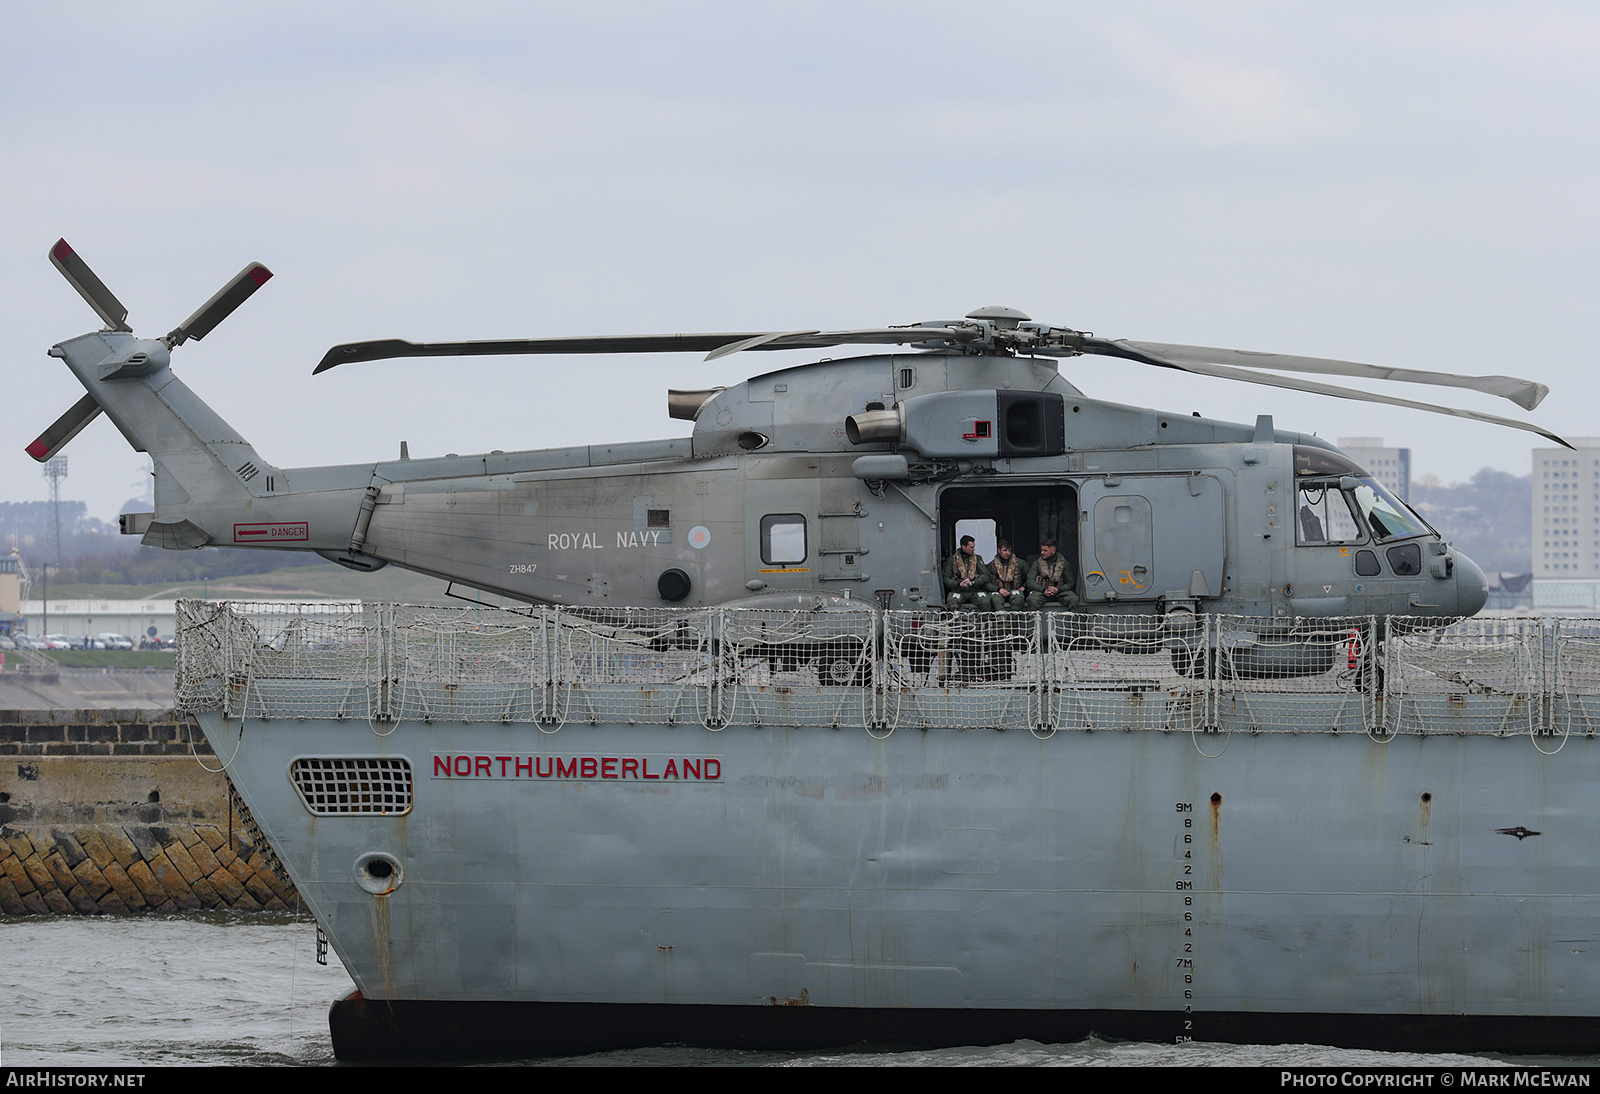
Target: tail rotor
x,y
115,316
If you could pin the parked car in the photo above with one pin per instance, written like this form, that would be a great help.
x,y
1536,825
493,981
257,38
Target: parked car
x,y
114,641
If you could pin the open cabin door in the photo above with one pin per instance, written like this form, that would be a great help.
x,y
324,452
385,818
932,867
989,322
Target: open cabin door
x,y
1154,536
1024,515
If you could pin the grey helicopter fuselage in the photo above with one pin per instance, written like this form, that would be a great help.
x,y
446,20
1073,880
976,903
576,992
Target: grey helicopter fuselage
x,y
843,480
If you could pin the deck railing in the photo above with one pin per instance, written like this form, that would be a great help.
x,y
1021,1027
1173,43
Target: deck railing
x,y
883,670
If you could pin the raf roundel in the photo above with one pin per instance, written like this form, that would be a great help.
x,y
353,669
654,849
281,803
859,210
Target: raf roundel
x,y
699,537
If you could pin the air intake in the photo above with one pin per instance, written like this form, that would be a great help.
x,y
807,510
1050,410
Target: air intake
x,y
374,786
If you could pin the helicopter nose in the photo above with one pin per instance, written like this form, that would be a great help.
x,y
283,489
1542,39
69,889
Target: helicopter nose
x,y
1472,588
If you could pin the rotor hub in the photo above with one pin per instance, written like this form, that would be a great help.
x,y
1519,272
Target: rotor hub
x,y
1002,317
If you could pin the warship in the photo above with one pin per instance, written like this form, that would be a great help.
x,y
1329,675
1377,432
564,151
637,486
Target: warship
x,y
559,831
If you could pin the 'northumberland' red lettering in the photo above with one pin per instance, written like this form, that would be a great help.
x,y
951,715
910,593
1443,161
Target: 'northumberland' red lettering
x,y
574,767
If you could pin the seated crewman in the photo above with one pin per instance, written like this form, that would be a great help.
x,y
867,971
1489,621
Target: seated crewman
x,y
1009,577
1050,580
966,577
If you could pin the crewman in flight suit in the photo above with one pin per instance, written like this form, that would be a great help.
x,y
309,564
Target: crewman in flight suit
x,y
966,577
1050,580
1010,579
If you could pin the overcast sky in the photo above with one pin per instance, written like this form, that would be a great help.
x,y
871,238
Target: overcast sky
x,y
1406,184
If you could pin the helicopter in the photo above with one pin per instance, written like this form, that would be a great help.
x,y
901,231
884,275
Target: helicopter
x,y
841,483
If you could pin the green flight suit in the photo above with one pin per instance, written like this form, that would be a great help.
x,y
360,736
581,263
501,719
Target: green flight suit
x,y
961,566
1055,571
1011,575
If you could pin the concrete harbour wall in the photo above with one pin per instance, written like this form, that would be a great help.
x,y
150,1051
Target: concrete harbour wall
x,y
107,812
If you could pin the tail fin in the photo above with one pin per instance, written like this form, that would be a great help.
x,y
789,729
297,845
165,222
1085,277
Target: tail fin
x,y
207,476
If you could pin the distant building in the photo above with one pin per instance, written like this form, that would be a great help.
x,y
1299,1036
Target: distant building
x,y
1390,466
10,593
77,618
1566,512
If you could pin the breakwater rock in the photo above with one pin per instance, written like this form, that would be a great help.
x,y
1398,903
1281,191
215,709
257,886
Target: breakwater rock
x,y
115,812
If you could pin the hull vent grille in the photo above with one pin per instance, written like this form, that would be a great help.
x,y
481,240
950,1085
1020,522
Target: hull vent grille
x,y
372,786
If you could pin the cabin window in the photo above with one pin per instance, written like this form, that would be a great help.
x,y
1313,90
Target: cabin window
x,y
658,518
982,530
783,539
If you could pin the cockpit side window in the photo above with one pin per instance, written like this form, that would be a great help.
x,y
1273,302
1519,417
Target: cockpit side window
x,y
1323,516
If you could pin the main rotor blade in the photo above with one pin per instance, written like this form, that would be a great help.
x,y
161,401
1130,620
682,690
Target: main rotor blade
x,y
383,349
90,287
64,428
220,306
756,342
1527,394
1143,352
872,336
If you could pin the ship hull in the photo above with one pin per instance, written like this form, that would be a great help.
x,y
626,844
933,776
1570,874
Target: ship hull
x,y
381,1032
578,890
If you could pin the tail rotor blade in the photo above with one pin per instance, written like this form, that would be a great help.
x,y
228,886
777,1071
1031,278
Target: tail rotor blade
x,y
220,306
64,428
90,287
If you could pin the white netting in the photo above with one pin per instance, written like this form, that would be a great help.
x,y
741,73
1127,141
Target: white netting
x,y
1303,676
1574,667
1474,676
277,659
464,664
651,665
880,670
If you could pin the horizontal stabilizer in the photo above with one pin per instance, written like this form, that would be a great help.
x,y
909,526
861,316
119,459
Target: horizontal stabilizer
x,y
176,535
64,428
